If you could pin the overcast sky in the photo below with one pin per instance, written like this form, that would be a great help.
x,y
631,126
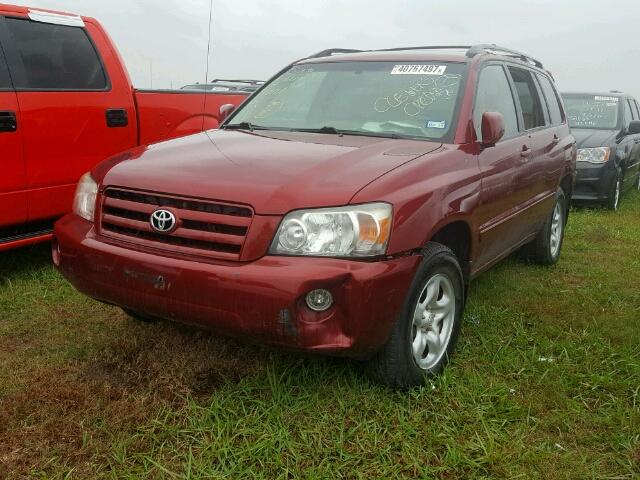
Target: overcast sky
x,y
586,44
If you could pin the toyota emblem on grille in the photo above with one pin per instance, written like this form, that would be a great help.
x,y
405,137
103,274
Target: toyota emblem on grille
x,y
163,221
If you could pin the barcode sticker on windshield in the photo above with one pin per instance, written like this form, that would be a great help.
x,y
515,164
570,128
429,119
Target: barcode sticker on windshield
x,y
606,99
418,69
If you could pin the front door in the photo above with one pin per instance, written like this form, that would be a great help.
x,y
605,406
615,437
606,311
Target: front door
x,y
13,177
499,165
65,96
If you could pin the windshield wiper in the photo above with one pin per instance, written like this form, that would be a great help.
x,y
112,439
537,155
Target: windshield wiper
x,y
362,133
325,129
244,126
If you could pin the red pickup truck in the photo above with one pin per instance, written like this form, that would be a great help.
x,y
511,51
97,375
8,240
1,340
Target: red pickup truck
x,y
66,103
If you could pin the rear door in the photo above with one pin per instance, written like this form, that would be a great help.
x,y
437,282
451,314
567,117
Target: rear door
x,y
628,145
72,116
13,177
538,172
499,166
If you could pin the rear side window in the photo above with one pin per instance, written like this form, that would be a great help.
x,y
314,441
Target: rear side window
x,y
55,57
5,81
555,110
494,95
628,117
530,104
632,109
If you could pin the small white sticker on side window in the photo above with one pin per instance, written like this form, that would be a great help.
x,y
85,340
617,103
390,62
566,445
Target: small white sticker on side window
x,y
418,69
56,18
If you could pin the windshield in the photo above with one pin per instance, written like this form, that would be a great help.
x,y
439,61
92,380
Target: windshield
x,y
592,111
415,100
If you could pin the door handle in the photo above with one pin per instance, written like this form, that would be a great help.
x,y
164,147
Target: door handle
x,y
8,122
117,117
526,152
555,140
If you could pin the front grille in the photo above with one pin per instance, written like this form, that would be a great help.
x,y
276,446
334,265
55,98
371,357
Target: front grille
x,y
213,229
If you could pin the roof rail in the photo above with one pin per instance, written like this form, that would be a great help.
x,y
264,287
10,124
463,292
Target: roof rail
x,y
471,51
253,82
330,51
492,47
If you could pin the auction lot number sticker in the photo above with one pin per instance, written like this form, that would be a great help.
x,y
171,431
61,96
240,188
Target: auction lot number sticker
x,y
418,69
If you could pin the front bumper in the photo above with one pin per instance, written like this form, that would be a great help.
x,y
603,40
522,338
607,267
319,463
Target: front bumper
x,y
260,301
594,181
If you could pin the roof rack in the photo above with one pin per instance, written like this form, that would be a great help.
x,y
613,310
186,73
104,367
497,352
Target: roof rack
x,y
492,47
330,51
471,51
252,82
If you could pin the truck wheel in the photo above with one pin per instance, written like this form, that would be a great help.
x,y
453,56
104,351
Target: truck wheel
x,y
613,202
638,182
425,334
545,248
141,316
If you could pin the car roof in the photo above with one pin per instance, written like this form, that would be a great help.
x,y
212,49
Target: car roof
x,y
447,53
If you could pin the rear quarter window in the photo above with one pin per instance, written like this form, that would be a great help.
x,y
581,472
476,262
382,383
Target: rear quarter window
x,y
55,57
551,97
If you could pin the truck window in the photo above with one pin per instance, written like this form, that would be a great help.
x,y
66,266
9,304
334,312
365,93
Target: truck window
x,y
628,117
494,95
5,81
55,57
634,115
530,104
555,111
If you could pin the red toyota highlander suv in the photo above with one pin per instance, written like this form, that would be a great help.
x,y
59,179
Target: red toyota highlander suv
x,y
343,209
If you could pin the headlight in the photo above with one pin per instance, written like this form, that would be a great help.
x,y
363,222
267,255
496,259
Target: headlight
x,y
594,155
84,203
353,231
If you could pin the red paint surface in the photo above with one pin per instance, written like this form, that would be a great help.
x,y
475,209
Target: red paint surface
x,y
498,196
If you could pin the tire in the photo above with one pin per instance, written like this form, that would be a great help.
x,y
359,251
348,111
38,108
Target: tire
x,y
545,248
613,201
638,181
141,316
396,365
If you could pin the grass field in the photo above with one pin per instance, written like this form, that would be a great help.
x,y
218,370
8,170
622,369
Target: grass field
x,y
545,384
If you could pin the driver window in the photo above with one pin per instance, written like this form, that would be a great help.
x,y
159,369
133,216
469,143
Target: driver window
x,y
494,95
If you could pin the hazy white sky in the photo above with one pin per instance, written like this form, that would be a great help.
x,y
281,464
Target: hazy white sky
x,y
588,45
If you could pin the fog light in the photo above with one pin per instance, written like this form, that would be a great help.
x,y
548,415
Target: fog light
x,y
319,300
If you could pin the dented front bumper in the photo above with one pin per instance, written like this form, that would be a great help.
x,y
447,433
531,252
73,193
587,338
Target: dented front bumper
x,y
260,301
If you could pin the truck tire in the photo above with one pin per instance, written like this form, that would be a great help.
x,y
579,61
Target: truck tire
x,y
613,200
545,248
638,181
141,316
425,334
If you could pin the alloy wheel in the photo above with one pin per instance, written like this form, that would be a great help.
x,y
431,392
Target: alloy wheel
x,y
433,321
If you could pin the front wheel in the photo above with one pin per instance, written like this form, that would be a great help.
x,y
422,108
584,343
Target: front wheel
x,y
545,248
424,336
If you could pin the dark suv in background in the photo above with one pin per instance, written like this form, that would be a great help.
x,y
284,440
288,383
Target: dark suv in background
x,y
607,129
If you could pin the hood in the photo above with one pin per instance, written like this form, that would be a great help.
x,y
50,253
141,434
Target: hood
x,y
274,172
589,138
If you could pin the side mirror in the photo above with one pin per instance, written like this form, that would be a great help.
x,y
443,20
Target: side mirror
x,y
634,128
225,111
492,128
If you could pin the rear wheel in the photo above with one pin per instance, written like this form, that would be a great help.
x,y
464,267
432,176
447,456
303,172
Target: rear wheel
x,y
613,202
425,334
545,248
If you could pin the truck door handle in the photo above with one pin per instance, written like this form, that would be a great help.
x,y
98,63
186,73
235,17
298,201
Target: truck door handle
x,y
8,122
526,151
555,140
117,117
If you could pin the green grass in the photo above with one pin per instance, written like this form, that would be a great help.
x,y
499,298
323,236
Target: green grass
x,y
545,384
